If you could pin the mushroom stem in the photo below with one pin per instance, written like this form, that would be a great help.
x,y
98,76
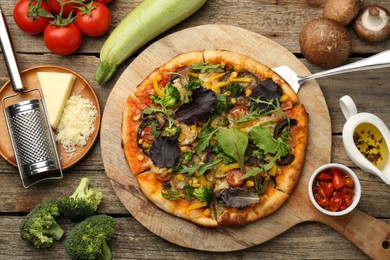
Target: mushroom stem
x,y
375,19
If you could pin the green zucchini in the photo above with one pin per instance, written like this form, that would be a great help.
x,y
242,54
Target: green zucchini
x,y
142,24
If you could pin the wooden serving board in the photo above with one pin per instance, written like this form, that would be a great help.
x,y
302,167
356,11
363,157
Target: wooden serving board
x,y
363,230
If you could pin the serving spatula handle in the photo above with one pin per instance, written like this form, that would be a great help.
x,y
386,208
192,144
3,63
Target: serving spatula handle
x,y
377,61
9,55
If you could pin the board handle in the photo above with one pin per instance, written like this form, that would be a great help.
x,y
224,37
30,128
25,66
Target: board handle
x,y
369,234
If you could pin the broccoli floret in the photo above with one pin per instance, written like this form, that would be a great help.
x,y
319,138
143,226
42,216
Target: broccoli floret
x,y
88,239
204,194
170,99
236,89
82,203
172,132
194,83
40,227
223,104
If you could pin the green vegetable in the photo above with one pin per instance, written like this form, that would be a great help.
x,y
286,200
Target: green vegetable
x,y
194,83
200,169
145,22
82,203
209,68
223,105
205,135
236,89
40,226
204,194
88,239
170,99
234,143
172,132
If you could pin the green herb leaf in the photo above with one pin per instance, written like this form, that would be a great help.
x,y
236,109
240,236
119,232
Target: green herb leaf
x,y
205,136
210,68
263,138
200,169
234,143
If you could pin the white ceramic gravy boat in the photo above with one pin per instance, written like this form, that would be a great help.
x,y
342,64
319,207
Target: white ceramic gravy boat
x,y
354,119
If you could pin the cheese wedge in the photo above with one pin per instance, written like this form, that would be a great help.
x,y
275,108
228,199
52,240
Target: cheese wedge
x,y
56,88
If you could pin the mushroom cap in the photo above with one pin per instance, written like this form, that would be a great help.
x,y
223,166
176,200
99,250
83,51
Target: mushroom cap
x,y
342,11
325,42
373,24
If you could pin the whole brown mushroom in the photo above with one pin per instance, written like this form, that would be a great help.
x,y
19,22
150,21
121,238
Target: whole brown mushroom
x,y
342,11
373,24
325,42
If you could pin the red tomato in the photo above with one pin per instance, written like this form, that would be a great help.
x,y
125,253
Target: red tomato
x,y
34,24
62,40
328,189
324,176
94,20
238,111
335,203
323,202
55,6
321,192
349,182
105,1
163,178
338,182
234,178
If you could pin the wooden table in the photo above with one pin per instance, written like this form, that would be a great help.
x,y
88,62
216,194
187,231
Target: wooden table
x,y
280,21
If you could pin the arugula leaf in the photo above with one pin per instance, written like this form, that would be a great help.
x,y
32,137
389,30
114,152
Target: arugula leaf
x,y
263,138
200,169
154,130
210,68
234,143
204,136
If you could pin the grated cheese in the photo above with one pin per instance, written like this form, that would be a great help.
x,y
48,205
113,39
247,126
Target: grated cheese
x,y
76,124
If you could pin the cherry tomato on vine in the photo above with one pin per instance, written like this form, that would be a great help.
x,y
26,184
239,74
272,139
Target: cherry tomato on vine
x,y
62,40
94,19
234,178
105,1
29,18
55,6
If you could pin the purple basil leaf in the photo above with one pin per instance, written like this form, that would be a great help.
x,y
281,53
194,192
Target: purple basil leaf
x,y
165,152
200,108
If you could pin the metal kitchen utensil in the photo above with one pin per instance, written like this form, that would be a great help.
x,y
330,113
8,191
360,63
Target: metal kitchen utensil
x,y
380,60
28,125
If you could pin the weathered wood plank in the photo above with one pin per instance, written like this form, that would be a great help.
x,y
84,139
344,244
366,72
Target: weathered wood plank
x,y
133,241
279,20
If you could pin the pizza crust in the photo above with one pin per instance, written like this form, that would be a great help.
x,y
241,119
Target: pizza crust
x,y
138,162
152,188
287,180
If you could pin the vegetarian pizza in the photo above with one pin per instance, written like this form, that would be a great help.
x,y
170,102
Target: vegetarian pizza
x,y
216,138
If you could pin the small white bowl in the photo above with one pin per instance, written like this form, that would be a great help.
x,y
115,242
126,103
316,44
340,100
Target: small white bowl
x,y
357,189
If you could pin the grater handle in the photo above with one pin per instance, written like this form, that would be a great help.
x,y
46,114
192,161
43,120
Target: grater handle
x,y
9,55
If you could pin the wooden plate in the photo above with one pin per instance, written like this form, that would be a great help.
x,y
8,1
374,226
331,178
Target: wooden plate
x,y
356,226
30,77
